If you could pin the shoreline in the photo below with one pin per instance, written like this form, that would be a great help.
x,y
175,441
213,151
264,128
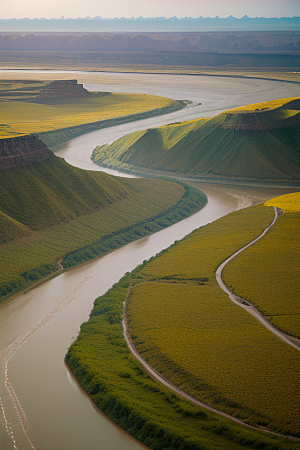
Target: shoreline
x,y
177,208
146,72
54,275
152,173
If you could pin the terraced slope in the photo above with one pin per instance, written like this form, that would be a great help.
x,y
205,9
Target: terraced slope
x,y
266,274
185,327
262,145
51,211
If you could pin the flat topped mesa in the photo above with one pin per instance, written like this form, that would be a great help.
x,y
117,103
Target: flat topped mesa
x,y
62,89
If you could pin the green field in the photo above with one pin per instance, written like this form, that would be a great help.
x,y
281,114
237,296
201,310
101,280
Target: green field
x,y
54,212
266,273
187,328
114,380
18,90
252,143
19,117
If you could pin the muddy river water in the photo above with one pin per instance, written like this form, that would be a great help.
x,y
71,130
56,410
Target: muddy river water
x,y
42,406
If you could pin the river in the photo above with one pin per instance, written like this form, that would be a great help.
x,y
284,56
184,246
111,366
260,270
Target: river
x,y
38,327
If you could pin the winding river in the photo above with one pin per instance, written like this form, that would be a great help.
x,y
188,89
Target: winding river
x,y
38,327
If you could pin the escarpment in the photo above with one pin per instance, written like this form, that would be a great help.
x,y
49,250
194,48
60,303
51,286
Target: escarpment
x,y
22,151
61,89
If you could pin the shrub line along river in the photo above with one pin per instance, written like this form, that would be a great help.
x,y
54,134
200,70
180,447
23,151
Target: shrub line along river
x,y
47,319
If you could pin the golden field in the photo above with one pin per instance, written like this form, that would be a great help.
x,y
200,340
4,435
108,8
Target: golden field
x,y
287,203
267,273
24,118
188,329
270,104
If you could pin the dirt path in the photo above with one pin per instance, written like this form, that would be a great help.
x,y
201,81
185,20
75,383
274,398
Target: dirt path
x,y
290,340
154,374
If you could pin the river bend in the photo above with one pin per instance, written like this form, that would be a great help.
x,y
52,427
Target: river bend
x,y
60,416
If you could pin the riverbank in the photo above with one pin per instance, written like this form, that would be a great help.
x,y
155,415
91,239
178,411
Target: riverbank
x,y
194,343
17,277
69,421
47,348
263,130
114,379
58,137
124,376
290,75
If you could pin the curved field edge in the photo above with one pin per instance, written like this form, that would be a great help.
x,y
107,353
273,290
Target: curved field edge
x,y
187,329
116,383
275,265
30,117
190,202
57,137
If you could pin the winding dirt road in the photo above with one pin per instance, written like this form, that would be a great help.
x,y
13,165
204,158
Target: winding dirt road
x,y
294,342
154,374
290,340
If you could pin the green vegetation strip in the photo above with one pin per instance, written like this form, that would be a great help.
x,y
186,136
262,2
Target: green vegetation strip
x,y
129,209
189,331
57,137
191,201
111,376
58,120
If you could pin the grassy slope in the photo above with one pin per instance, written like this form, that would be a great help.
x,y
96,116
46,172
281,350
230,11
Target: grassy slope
x,y
212,148
209,347
18,90
49,211
111,376
274,265
24,118
51,192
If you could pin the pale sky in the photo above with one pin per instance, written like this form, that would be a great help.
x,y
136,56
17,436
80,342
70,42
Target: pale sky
x,y
147,8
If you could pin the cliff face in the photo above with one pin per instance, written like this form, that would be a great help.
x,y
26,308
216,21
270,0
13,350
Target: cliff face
x,y
22,151
243,121
62,89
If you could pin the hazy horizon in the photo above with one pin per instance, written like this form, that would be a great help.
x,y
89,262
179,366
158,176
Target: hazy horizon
x,y
18,9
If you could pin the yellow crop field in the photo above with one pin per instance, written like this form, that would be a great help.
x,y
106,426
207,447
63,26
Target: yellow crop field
x,y
246,227
23,118
264,105
189,330
267,273
288,202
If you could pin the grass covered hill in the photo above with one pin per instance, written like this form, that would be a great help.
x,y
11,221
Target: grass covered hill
x,y
53,192
186,327
252,144
51,213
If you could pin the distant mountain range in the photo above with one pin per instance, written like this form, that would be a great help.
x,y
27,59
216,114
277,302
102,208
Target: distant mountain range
x,y
151,24
279,42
